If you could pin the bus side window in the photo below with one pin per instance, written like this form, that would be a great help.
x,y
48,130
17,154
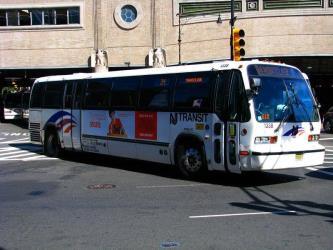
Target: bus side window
x,y
97,94
37,95
78,97
124,93
54,94
238,102
155,93
192,91
68,95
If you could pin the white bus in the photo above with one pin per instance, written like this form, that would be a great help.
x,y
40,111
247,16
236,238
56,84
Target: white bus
x,y
228,116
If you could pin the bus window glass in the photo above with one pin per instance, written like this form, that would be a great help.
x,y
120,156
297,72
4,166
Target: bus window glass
x,y
98,94
37,95
283,95
54,95
192,91
125,92
78,99
68,95
155,92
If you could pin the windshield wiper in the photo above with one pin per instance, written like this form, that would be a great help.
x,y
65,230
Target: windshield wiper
x,y
288,106
285,117
300,103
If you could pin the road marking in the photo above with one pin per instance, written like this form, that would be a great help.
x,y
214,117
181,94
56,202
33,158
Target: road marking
x,y
174,186
325,139
328,162
39,157
18,155
243,214
2,139
327,150
26,139
7,149
320,171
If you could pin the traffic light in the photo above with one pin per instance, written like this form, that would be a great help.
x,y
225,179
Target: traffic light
x,y
238,43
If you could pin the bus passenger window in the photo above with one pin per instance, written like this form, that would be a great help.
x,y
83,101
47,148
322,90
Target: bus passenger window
x,y
125,92
192,91
155,92
97,94
54,95
36,95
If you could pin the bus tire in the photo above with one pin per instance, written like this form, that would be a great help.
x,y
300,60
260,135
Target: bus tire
x,y
52,146
328,126
191,160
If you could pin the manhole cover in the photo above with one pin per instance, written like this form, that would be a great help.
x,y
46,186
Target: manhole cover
x,y
170,244
101,186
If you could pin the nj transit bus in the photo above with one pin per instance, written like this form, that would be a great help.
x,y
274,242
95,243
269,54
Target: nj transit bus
x,y
227,116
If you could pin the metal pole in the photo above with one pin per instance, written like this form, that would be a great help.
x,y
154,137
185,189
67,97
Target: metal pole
x,y
179,39
232,23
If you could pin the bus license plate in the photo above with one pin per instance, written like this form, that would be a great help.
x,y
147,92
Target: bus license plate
x,y
299,157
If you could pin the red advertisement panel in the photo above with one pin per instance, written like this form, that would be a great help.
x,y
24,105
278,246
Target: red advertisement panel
x,y
146,125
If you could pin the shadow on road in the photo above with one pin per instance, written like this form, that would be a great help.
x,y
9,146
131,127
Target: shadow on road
x,y
302,208
167,171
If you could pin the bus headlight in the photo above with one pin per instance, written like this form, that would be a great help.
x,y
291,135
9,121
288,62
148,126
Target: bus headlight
x,y
265,140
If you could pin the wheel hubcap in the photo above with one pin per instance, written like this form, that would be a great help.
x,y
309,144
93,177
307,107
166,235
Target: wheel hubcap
x,y
193,161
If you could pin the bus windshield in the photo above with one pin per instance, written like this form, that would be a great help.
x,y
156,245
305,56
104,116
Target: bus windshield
x,y
282,94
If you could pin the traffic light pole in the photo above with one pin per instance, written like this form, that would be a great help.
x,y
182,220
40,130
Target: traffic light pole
x,y
232,24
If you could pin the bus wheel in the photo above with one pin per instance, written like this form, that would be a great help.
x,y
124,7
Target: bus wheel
x,y
52,145
328,126
191,160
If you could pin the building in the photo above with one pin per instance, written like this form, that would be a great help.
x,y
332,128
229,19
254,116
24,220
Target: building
x,y
39,37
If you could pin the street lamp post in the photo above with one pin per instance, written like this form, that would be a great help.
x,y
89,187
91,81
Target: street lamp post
x,y
232,24
179,39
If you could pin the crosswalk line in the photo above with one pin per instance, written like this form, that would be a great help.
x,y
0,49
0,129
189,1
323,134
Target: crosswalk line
x,y
18,155
26,140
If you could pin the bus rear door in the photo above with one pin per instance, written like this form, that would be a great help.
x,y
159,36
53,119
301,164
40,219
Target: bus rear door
x,y
72,115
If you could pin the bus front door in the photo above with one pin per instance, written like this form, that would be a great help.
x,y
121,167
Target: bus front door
x,y
236,113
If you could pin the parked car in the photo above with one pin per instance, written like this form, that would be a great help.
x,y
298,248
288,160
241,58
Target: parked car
x,y
328,120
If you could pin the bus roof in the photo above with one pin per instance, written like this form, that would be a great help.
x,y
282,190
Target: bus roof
x,y
215,66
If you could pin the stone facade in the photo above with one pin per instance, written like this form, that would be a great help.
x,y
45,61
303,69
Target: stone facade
x,y
268,34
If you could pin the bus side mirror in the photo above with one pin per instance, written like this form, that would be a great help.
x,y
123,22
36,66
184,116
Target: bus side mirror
x,y
255,83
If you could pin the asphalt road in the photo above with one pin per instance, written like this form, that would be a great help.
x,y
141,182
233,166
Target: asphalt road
x,y
84,201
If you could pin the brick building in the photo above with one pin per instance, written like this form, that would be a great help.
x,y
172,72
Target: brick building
x,y
39,37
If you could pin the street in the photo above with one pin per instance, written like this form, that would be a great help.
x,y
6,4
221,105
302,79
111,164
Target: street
x,y
86,201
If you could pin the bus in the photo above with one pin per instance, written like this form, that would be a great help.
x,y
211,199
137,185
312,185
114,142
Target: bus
x,y
226,116
16,106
